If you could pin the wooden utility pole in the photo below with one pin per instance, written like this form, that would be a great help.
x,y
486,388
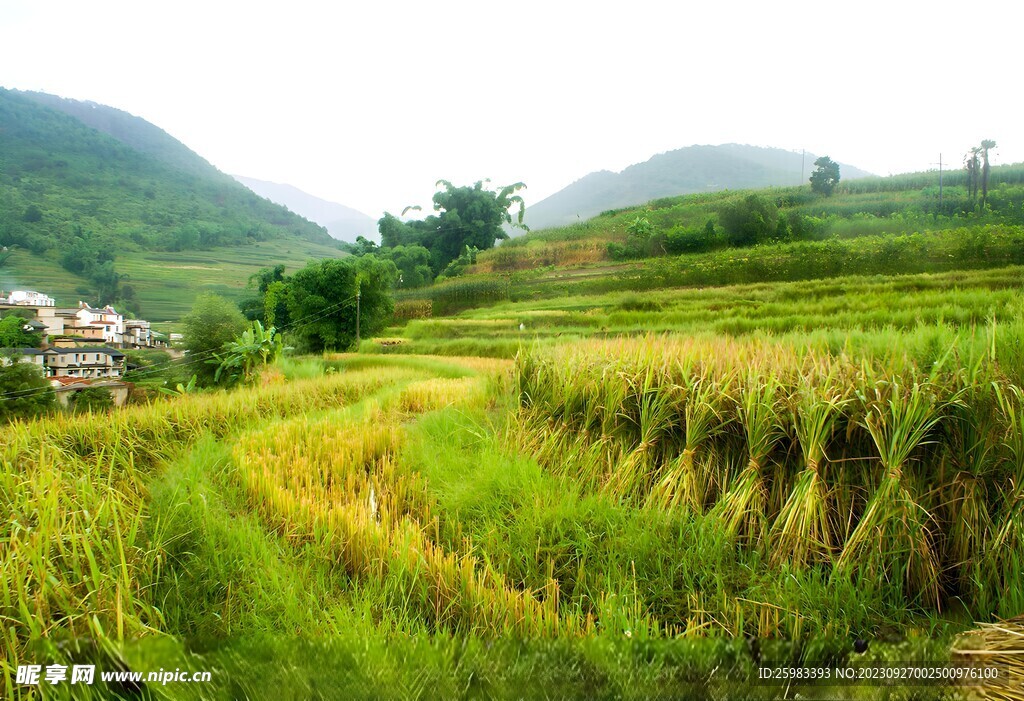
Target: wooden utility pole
x,y
359,292
940,183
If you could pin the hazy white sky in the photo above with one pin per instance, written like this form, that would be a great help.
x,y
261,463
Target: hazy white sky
x,y
369,103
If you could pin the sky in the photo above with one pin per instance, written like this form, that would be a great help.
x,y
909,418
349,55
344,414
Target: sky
x,y
370,103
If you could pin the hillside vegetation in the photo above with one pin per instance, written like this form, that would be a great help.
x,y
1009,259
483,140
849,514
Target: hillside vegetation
x,y
873,226
686,170
76,197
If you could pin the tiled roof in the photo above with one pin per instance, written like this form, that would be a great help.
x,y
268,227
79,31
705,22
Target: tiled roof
x,y
23,351
87,349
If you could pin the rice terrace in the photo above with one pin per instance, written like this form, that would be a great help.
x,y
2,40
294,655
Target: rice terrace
x,y
736,422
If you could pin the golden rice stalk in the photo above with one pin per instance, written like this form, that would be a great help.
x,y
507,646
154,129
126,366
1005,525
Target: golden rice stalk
x,y
680,485
802,534
803,531
998,646
683,482
970,524
893,539
742,508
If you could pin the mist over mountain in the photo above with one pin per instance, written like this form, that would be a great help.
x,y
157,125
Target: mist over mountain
x,y
683,171
341,222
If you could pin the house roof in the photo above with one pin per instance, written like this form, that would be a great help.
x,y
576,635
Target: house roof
x,y
23,351
36,324
104,310
65,381
88,349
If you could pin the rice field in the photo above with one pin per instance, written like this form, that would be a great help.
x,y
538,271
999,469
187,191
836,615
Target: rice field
x,y
637,516
833,314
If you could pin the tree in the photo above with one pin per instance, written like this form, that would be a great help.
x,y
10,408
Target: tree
x,y
212,323
825,176
467,216
322,301
269,306
25,391
413,263
973,167
91,399
986,145
14,335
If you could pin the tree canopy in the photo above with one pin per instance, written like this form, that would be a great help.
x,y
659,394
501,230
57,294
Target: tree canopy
x,y
322,301
14,335
825,176
212,323
469,216
26,391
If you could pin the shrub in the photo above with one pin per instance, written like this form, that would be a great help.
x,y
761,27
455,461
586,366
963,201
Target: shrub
x,y
748,221
25,392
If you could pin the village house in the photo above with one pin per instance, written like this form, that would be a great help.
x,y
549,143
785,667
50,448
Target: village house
x,y
34,356
84,362
107,320
138,333
28,298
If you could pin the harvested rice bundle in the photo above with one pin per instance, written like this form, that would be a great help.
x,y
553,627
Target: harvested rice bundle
x,y
683,483
1000,648
803,532
742,508
893,538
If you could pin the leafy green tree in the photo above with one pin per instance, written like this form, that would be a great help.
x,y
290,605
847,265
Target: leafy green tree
x,y
14,335
413,263
25,391
269,306
466,216
394,232
91,399
322,301
825,176
362,247
32,214
213,323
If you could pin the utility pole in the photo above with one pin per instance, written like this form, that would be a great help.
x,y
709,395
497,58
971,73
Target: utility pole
x,y
359,292
803,155
940,182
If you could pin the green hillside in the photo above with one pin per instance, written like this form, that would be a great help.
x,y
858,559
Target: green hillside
x,y
686,170
133,131
606,275
81,210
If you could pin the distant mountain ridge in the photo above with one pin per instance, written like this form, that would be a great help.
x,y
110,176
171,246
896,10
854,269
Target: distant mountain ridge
x,y
341,222
682,171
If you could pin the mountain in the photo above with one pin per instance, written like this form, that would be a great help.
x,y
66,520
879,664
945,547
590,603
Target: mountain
x,y
341,222
683,171
133,131
98,204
